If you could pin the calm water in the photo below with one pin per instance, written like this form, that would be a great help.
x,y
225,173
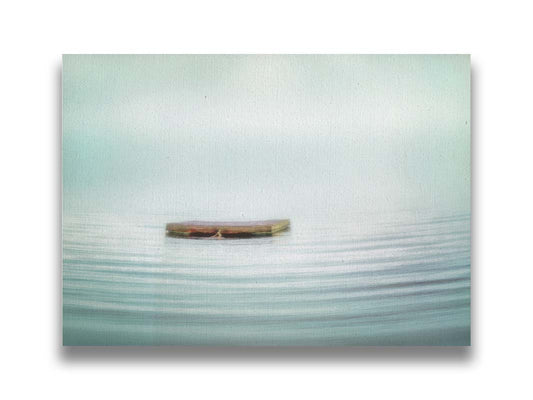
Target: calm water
x,y
368,280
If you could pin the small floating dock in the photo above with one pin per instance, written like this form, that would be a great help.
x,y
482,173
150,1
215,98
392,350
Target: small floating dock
x,y
218,230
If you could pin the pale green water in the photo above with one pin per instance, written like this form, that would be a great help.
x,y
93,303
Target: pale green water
x,y
322,283
369,156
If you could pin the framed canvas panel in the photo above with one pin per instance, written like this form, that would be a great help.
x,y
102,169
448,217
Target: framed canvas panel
x,y
266,200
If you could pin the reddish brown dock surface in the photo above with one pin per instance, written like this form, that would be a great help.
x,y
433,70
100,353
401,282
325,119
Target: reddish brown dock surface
x,y
196,229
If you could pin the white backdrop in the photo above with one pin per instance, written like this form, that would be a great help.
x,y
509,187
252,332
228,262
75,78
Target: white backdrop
x,y
35,34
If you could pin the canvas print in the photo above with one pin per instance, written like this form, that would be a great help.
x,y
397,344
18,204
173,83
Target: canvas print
x,y
266,200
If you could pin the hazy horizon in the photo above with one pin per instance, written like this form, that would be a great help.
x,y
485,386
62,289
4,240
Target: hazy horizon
x,y
254,136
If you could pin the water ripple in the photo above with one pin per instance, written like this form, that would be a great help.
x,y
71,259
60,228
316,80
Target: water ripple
x,y
401,281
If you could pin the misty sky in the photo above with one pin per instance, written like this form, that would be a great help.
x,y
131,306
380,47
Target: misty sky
x,y
265,136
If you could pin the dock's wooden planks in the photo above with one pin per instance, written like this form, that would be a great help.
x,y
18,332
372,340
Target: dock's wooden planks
x,y
226,229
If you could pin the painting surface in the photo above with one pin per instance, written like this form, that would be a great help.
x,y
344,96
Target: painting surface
x,y
368,156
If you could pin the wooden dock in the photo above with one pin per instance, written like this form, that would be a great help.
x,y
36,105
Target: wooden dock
x,y
217,230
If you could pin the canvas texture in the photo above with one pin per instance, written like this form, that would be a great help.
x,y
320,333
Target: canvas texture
x,y
266,200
